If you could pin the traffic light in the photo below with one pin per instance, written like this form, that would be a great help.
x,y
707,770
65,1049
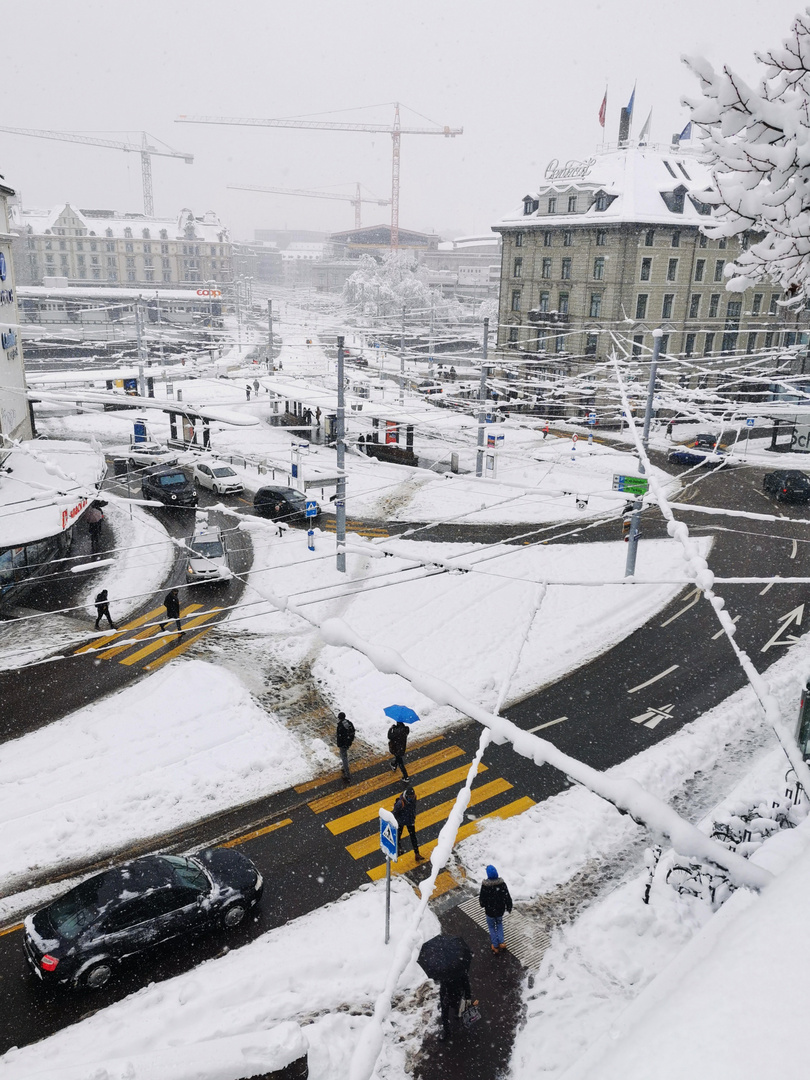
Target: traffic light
x,y
627,523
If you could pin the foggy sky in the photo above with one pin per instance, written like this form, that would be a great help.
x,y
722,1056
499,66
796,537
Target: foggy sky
x,y
524,79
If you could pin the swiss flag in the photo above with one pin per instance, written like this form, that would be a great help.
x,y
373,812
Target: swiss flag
x,y
603,110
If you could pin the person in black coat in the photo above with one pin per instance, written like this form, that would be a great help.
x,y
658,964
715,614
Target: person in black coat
x,y
172,605
451,993
103,609
404,811
494,898
398,744
344,737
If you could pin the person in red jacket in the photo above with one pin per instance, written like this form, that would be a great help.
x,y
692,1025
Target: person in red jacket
x,y
494,898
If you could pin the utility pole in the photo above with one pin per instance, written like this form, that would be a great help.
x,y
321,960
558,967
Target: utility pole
x,y
402,361
482,404
430,342
139,336
635,521
340,498
270,365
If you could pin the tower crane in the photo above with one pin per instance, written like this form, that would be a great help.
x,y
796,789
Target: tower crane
x,y
395,130
144,148
356,200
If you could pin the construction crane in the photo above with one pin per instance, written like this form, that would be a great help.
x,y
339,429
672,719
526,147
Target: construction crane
x,y
144,148
356,200
395,130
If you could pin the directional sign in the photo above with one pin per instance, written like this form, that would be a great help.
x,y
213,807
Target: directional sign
x,y
749,422
634,485
389,830
312,508
794,616
591,417
653,717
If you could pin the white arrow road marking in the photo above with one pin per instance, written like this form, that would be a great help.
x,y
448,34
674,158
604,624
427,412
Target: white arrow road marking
x,y
696,593
655,678
548,723
721,632
795,549
653,717
786,620
770,585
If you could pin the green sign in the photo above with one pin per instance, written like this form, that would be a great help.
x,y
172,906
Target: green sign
x,y
633,485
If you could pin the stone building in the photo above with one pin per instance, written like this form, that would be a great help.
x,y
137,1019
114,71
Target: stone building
x,y
613,244
103,246
15,412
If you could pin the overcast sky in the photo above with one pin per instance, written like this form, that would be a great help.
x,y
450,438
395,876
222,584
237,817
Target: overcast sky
x,y
525,80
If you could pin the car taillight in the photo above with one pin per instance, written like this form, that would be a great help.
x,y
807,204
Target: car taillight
x,y
48,962
784,491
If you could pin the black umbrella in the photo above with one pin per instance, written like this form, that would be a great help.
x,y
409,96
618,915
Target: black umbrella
x,y
445,957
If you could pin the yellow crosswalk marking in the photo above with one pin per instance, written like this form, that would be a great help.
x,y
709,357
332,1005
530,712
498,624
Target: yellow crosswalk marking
x,y
149,632
408,861
370,813
258,832
430,817
328,778
162,641
444,883
99,643
186,643
386,779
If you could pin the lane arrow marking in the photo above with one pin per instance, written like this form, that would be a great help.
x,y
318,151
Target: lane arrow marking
x,y
786,620
653,717
696,593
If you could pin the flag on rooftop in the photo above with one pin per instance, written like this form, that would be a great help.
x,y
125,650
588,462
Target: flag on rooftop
x,y
645,131
603,110
686,133
631,101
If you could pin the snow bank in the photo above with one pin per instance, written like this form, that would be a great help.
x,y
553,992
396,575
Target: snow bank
x,y
187,742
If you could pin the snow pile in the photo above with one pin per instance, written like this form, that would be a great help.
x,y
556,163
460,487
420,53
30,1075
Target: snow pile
x,y
322,971
185,743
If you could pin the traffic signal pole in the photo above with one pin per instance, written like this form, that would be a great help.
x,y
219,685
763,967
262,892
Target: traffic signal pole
x,y
340,447
482,405
635,520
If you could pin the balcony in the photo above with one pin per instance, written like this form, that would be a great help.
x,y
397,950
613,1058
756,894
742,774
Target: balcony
x,y
548,318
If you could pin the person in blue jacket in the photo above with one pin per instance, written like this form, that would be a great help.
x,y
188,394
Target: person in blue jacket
x,y
494,898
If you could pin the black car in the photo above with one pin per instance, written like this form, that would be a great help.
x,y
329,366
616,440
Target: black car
x,y
284,504
787,485
81,937
689,455
707,442
169,485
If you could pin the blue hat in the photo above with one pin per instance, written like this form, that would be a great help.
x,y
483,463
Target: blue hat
x,y
491,872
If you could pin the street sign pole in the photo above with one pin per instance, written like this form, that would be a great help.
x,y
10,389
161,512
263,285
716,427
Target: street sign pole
x,y
635,523
389,846
387,899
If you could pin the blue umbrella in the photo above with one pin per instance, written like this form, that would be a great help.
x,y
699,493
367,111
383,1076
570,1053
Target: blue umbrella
x,y
401,713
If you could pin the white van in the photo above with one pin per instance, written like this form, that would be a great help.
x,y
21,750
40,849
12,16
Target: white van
x,y
208,557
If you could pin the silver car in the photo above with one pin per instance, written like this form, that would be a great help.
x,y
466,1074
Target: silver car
x,y
219,478
208,556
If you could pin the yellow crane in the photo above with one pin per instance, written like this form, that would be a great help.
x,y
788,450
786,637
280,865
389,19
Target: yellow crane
x,y
356,200
144,148
395,130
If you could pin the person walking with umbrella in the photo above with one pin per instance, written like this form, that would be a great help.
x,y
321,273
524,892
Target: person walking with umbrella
x,y
446,960
494,898
398,735
404,811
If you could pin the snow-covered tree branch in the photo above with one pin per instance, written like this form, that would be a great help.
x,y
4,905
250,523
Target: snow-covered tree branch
x,y
759,143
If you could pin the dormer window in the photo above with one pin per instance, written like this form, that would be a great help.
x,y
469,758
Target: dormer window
x,y
530,205
146,234
128,233
552,204
702,208
108,232
674,200
602,201
164,234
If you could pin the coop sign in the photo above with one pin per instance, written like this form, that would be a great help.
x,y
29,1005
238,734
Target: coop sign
x,y
69,515
208,292
571,170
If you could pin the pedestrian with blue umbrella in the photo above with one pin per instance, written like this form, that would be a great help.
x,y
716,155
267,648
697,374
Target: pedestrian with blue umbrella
x,y
398,735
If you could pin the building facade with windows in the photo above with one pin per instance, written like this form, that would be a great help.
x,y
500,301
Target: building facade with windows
x,y
613,245
104,247
15,411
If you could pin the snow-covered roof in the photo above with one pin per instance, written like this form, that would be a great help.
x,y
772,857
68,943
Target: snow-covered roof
x,y
45,487
105,223
313,396
89,292
640,184
462,243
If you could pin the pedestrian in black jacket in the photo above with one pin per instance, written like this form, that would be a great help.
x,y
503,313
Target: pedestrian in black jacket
x,y
103,609
397,744
172,605
404,811
494,898
451,994
344,737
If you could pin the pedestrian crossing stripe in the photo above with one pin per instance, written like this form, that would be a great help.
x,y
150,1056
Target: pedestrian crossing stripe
x,y
330,777
434,815
375,783
161,641
102,642
185,644
429,787
125,642
408,861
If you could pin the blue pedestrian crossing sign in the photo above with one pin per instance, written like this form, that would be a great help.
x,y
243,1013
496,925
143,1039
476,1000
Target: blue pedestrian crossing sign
x,y
389,830
749,422
312,508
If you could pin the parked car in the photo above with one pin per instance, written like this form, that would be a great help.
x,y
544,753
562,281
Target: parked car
x,y
151,453
284,504
787,485
428,386
708,442
80,939
689,455
208,558
170,486
219,478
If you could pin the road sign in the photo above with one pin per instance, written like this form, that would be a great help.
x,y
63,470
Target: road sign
x,y
312,508
749,422
389,830
591,417
574,437
633,485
